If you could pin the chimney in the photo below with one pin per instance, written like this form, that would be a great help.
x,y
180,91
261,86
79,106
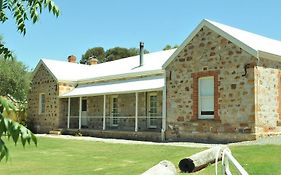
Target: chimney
x,y
141,53
93,61
71,59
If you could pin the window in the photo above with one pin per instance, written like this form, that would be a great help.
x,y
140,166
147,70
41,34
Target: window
x,y
114,112
152,113
206,97
42,102
84,105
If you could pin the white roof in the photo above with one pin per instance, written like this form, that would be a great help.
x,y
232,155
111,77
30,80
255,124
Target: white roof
x,y
118,87
252,43
65,71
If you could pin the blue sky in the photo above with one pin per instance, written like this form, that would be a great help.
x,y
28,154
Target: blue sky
x,y
109,23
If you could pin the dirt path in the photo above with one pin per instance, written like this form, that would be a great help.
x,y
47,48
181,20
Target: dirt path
x,y
123,141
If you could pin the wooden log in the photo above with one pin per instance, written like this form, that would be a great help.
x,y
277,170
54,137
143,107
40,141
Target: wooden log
x,y
201,160
163,168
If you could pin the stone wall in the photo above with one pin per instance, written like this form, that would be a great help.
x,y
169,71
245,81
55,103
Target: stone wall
x,y
210,54
65,87
268,97
43,82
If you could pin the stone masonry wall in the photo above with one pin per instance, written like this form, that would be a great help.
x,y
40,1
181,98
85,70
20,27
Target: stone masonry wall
x,y
268,97
210,54
43,82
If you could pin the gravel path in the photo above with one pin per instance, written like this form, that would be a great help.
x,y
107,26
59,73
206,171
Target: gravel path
x,y
275,140
271,140
123,141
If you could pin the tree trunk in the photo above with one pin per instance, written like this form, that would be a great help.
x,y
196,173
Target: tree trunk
x,y
201,160
163,168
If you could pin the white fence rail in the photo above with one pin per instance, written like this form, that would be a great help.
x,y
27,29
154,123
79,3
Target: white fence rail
x,y
228,158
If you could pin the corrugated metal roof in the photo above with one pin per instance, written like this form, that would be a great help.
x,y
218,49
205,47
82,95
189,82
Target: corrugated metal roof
x,y
252,43
257,42
117,87
65,71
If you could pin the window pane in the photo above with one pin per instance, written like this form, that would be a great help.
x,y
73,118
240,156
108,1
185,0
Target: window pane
x,y
206,86
206,96
42,103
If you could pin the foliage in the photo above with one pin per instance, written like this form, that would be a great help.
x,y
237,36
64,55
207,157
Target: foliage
x,y
96,52
19,115
110,54
22,11
15,78
168,47
12,129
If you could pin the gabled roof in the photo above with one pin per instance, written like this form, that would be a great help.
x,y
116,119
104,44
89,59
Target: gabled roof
x,y
126,67
254,44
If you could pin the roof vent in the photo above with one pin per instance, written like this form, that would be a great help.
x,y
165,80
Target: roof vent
x,y
141,53
71,59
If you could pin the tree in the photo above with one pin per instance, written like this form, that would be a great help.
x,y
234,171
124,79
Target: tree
x,y
21,11
16,79
168,47
117,53
111,54
96,52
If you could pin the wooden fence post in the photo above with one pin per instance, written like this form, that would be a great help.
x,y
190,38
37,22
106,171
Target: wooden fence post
x,y
201,160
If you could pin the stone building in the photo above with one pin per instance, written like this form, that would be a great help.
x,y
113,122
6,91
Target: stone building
x,y
222,84
121,98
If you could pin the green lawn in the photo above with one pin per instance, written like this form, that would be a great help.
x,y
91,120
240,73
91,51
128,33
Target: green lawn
x,y
62,157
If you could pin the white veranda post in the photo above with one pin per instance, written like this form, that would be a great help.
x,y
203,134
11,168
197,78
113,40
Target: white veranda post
x,y
104,108
68,113
80,111
136,113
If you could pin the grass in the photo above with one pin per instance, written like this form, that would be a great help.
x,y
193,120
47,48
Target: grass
x,y
65,157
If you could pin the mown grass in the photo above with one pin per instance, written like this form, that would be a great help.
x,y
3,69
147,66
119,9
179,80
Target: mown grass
x,y
65,157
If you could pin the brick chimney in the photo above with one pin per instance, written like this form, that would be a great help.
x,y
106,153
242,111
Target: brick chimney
x,y
93,61
71,59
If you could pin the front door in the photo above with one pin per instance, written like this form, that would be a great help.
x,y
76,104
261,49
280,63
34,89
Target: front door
x,y
84,121
152,110
114,111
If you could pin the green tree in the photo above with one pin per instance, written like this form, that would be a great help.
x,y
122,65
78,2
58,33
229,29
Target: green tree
x,y
168,47
136,51
110,54
16,79
97,52
21,11
116,53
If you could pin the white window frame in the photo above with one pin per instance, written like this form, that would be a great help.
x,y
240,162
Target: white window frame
x,y
111,113
148,108
199,99
41,105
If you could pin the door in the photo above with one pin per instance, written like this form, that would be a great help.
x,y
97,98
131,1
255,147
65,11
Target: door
x,y
206,98
84,120
114,111
152,110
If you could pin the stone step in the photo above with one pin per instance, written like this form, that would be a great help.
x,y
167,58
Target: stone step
x,y
56,131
